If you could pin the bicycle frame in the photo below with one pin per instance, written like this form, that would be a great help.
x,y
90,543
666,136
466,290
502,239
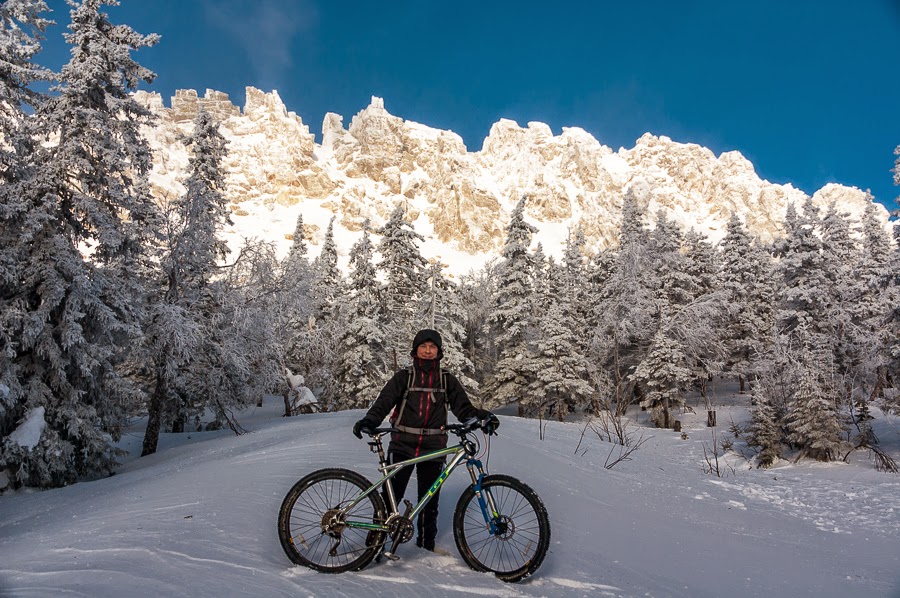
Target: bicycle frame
x,y
464,451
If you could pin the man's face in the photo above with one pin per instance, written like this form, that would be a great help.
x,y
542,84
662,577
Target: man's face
x,y
427,350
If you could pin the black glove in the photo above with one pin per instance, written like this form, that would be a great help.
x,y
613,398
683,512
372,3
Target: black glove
x,y
490,423
361,426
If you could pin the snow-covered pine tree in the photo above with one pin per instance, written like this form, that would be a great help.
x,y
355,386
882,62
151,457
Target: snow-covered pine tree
x,y
511,314
179,313
87,214
746,278
847,340
475,295
362,364
238,359
298,248
813,421
577,282
315,351
402,266
876,301
892,323
543,285
701,264
764,431
628,311
803,296
598,271
664,251
329,283
22,27
294,303
442,309
559,369
664,374
701,320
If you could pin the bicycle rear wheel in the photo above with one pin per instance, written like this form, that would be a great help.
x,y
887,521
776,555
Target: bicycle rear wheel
x,y
311,525
524,536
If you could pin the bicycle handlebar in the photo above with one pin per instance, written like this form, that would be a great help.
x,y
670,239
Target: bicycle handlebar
x,y
461,429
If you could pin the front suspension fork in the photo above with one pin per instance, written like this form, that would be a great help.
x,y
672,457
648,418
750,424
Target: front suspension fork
x,y
485,500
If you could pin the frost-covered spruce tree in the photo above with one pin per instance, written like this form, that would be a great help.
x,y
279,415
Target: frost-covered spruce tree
x,y
22,28
402,267
663,374
239,357
746,278
87,214
543,272
664,251
329,285
892,325
297,261
813,421
701,320
179,313
442,308
511,313
701,264
362,364
559,368
628,313
314,351
474,293
577,282
598,271
877,299
764,431
295,303
803,296
847,339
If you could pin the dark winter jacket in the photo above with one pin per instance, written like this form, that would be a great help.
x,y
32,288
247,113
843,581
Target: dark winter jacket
x,y
423,410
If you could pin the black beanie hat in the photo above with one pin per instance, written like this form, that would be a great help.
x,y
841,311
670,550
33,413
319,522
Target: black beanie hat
x,y
427,335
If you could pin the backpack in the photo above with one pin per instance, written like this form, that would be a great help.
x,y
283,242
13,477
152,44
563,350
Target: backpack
x,y
398,412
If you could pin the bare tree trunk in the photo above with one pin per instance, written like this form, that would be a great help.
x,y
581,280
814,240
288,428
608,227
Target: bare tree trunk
x,y
154,412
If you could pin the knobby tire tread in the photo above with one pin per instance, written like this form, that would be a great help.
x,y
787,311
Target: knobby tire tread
x,y
518,554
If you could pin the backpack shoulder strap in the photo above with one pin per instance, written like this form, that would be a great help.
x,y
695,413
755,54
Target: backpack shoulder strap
x,y
411,376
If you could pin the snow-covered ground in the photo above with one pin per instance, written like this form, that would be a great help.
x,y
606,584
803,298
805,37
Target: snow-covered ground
x,y
199,519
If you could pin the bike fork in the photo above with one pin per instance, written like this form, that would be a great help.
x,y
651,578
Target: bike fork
x,y
485,500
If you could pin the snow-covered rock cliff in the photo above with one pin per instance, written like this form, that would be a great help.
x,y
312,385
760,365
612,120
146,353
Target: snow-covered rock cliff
x,y
460,199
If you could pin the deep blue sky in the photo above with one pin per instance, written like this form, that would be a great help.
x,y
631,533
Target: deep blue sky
x,y
807,90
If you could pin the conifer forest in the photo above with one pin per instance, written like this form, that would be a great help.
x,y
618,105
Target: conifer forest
x,y
115,305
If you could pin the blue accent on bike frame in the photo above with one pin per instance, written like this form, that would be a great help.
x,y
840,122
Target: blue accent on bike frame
x,y
489,518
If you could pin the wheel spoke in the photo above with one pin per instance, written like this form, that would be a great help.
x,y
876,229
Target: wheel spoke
x,y
523,530
312,526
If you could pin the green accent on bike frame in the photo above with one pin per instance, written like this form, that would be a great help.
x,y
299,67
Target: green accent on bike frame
x,y
394,468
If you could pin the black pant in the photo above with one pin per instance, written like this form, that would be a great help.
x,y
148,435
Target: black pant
x,y
426,473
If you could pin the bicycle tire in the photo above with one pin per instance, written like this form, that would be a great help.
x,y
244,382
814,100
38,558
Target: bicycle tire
x,y
300,522
515,554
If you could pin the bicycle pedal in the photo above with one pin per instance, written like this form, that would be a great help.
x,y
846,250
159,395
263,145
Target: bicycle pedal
x,y
390,556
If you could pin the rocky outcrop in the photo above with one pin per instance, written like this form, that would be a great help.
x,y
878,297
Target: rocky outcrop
x,y
459,197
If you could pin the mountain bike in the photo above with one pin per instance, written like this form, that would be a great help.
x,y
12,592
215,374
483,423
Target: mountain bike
x,y
335,520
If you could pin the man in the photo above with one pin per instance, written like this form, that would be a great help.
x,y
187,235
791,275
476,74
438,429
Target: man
x,y
420,411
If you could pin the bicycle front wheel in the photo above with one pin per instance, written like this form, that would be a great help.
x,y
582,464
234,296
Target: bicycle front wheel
x,y
523,529
312,523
